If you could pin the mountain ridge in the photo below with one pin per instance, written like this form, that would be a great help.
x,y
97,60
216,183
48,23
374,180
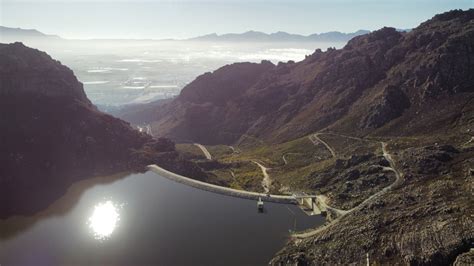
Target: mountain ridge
x,y
9,34
17,34
280,36
376,80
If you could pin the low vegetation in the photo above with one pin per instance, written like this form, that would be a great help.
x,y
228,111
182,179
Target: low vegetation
x,y
301,165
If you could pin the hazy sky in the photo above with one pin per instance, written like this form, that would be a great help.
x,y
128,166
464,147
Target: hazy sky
x,y
187,18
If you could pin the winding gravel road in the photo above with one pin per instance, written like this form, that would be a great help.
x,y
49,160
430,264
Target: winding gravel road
x,y
204,150
343,213
315,140
267,181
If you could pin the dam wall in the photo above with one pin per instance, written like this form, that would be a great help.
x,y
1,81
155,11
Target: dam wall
x,y
220,189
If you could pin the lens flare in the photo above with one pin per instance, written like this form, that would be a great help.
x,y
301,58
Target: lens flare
x,y
104,219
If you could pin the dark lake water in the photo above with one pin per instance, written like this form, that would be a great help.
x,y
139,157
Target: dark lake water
x,y
147,219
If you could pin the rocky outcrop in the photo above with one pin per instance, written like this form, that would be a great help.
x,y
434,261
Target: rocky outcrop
x,y
202,105
32,71
351,180
391,105
424,220
465,259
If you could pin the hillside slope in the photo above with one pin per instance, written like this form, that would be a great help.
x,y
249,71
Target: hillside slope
x,y
385,81
51,134
202,105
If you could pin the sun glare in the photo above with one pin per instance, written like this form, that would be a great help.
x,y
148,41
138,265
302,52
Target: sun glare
x,y
103,220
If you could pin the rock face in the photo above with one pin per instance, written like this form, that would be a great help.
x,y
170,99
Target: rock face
x,y
352,180
424,220
465,259
202,105
384,81
390,106
51,134
29,71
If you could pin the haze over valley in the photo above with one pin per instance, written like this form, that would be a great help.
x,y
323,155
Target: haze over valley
x,y
121,72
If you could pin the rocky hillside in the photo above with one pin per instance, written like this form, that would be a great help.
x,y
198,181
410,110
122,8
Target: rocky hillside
x,y
51,134
424,219
385,82
202,105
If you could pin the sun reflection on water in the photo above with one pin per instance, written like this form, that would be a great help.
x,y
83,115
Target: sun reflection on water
x,y
104,219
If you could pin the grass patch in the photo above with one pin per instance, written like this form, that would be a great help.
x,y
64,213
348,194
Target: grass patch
x,y
345,147
219,151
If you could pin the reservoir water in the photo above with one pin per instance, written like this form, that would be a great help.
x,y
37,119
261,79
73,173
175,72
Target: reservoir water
x,y
138,219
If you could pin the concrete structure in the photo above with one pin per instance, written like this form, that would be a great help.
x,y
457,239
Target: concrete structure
x,y
222,190
308,203
204,150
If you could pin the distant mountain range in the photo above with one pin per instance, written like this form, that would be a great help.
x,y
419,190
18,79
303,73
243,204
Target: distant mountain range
x,y
257,36
18,34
